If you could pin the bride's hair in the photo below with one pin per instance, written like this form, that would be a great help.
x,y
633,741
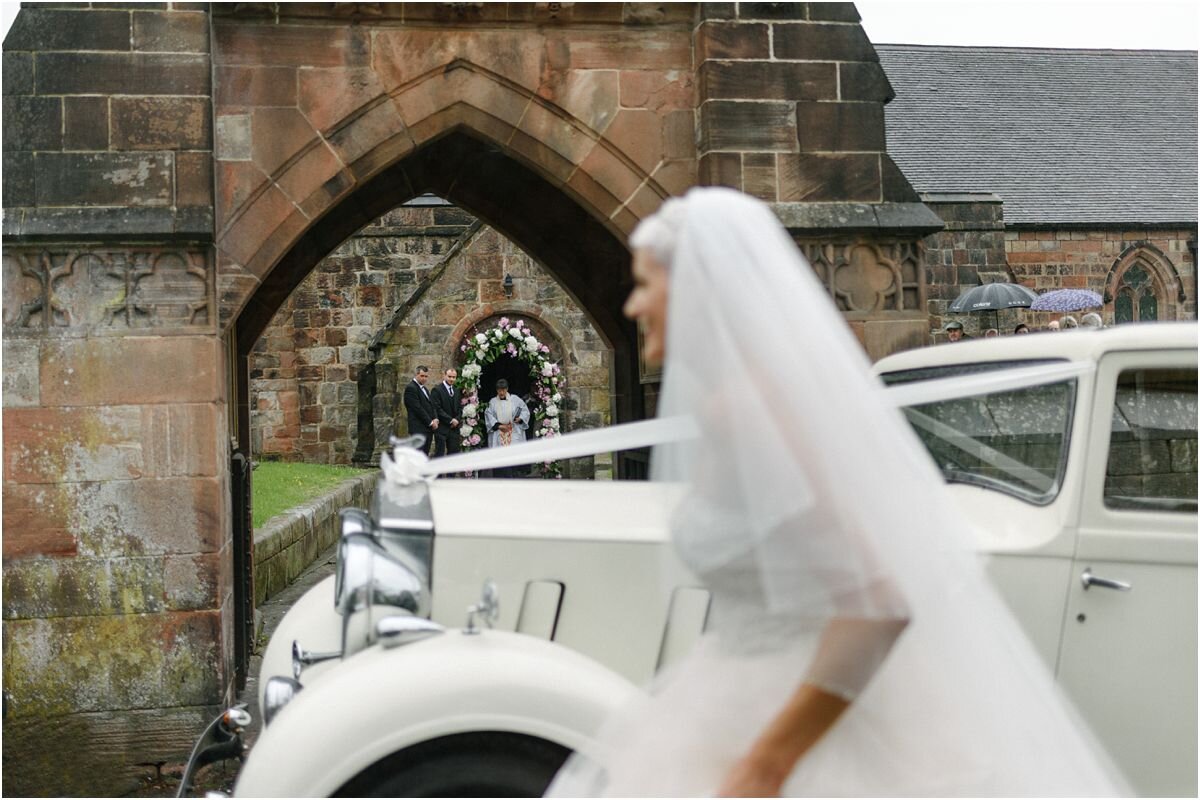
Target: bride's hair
x,y
659,232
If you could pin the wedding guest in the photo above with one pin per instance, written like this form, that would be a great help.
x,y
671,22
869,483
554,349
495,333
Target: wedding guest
x,y
422,417
954,331
1091,320
1020,329
448,406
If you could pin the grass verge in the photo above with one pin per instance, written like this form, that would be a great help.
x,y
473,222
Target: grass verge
x,y
280,485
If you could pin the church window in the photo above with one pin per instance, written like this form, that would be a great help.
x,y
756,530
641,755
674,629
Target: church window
x,y
1135,298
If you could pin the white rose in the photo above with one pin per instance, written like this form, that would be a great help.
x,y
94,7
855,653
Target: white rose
x,y
497,334
479,337
531,344
469,411
547,370
556,397
466,430
554,424
551,410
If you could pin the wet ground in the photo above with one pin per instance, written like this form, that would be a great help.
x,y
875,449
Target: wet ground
x,y
221,777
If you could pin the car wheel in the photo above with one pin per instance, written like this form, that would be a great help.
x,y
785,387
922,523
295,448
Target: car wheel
x,y
484,764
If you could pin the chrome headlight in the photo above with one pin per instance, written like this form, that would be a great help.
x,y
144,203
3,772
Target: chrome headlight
x,y
277,694
369,575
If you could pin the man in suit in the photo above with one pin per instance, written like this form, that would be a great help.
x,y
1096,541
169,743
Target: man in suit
x,y
448,405
422,417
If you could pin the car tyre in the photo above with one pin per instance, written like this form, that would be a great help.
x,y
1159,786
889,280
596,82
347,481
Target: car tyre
x,y
483,764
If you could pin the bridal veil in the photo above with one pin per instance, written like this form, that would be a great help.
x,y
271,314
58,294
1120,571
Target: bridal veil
x,y
809,500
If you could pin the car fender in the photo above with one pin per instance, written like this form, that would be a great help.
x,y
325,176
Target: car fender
x,y
383,701
311,621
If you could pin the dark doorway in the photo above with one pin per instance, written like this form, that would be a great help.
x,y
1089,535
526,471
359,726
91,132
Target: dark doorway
x,y
513,370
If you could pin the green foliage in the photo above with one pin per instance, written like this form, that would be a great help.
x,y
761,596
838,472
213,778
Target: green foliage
x,y
280,485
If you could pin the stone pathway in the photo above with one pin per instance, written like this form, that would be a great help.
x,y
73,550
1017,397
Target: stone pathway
x,y
220,777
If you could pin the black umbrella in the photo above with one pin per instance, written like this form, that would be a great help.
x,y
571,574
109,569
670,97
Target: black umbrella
x,y
993,297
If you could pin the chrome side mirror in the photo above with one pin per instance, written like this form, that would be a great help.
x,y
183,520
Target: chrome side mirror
x,y
487,609
302,658
400,630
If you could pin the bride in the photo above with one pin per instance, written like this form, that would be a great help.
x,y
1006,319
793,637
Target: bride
x,y
854,645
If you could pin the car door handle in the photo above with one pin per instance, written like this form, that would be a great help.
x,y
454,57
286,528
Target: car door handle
x,y
1089,580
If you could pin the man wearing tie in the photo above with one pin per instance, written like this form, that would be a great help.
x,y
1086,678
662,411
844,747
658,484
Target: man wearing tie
x,y
422,417
448,406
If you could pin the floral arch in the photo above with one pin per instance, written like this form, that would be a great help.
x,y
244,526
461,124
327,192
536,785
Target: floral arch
x,y
517,340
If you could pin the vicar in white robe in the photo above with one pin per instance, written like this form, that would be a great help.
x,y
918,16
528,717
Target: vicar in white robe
x,y
506,417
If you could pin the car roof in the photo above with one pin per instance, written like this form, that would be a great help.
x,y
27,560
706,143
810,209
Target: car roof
x,y
1078,344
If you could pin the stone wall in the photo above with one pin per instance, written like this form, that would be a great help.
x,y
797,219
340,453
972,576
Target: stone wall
x,y
328,373
117,563
288,543
977,247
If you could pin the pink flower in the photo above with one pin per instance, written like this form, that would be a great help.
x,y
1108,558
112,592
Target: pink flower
x,y
543,348
504,322
474,439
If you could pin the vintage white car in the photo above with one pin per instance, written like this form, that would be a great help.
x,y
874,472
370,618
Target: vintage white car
x,y
402,675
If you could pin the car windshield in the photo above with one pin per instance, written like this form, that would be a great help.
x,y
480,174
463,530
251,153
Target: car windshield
x,y
1012,441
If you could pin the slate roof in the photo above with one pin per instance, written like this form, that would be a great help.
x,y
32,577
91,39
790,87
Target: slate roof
x,y
1062,136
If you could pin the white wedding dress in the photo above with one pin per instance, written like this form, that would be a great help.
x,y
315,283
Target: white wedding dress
x,y
811,500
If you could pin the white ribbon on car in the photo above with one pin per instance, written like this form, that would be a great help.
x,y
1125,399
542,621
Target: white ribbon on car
x,y
406,464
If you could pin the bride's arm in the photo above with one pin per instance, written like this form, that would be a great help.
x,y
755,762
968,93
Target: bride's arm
x,y
849,653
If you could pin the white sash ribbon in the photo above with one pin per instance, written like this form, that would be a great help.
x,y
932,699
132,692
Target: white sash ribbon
x,y
407,465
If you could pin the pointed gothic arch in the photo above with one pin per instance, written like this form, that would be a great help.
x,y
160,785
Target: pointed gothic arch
x,y
1143,285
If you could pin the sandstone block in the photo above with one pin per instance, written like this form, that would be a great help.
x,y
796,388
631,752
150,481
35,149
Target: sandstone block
x,y
817,42
829,178
122,73
327,96
864,80
827,127
68,29
590,96
183,439
173,32
103,179
131,370
85,123
44,588
32,123
43,445
718,39
18,180
747,126
17,73
36,522
54,667
21,367
767,80
241,86
629,49
160,123
289,45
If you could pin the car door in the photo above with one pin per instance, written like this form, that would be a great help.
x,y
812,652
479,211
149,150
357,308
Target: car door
x,y
1128,655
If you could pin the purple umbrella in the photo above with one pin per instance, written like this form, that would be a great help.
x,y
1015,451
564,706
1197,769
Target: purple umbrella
x,y
1067,300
